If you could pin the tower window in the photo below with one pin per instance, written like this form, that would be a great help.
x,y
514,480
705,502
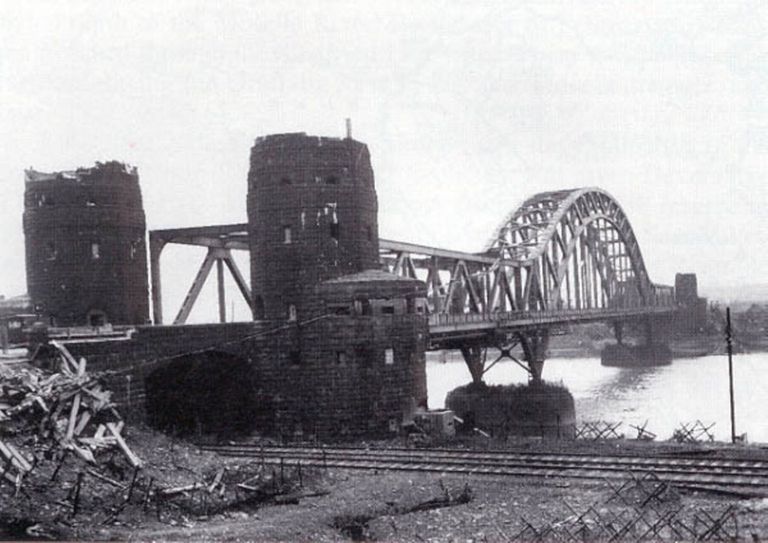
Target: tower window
x,y
369,233
96,318
95,251
285,180
295,358
332,180
335,230
287,236
291,312
389,357
50,251
341,358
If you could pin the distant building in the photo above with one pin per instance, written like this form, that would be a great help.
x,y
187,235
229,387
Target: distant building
x,y
691,315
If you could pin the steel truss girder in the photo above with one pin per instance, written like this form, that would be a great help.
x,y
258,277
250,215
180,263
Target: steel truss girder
x,y
571,249
220,240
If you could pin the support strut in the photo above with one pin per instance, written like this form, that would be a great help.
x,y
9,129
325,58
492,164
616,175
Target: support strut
x,y
535,345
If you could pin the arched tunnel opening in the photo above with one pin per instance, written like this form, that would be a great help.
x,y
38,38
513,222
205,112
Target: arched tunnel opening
x,y
203,394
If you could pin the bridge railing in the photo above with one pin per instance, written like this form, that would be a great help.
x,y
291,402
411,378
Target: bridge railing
x,y
510,318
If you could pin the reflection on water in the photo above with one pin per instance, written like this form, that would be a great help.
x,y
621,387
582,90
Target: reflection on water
x,y
665,396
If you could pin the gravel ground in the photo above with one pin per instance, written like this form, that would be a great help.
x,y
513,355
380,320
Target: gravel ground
x,y
370,506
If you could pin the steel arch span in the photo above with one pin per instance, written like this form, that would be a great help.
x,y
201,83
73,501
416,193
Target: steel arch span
x,y
558,253
571,249
561,257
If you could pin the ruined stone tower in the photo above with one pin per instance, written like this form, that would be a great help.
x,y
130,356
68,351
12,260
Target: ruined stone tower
x,y
85,250
312,215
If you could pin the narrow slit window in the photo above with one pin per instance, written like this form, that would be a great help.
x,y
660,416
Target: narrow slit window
x,y
287,235
295,358
292,312
335,230
389,357
95,251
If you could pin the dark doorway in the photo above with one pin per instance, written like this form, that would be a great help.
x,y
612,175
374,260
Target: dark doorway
x,y
96,318
202,394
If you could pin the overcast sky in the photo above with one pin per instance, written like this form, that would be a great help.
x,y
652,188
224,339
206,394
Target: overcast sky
x,y
467,108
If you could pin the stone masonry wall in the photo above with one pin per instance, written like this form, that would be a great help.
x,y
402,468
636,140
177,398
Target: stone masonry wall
x,y
332,378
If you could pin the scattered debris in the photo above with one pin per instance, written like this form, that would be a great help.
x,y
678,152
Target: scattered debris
x,y
67,412
357,526
66,465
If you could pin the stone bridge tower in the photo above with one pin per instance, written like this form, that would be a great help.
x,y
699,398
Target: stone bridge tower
x,y
312,214
85,250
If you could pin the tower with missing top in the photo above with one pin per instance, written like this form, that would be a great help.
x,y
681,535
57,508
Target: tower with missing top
x,y
85,246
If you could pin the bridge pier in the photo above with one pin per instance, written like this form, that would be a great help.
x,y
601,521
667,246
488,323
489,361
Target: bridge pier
x,y
652,347
535,345
474,356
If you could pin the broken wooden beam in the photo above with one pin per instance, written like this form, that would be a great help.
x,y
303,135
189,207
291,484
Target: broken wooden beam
x,y
132,458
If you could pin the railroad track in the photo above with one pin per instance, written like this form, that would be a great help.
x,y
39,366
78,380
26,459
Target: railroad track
x,y
724,474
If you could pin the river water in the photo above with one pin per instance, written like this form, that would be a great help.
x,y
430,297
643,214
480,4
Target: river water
x,y
665,396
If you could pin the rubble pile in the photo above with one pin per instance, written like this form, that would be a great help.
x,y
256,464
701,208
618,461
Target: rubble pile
x,y
67,471
48,415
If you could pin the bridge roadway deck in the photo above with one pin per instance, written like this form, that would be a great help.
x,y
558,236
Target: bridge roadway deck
x,y
444,327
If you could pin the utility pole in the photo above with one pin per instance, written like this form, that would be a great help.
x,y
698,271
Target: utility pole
x,y
729,344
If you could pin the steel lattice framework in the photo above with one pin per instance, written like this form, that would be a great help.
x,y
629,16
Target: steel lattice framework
x,y
558,251
561,257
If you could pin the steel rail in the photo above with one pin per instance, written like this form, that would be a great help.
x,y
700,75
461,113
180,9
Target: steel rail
x,y
721,473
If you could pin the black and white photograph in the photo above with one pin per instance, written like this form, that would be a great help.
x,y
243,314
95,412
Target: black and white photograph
x,y
384,271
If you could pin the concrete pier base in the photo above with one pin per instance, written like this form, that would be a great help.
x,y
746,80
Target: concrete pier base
x,y
536,409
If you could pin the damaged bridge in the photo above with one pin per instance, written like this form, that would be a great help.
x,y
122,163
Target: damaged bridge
x,y
341,319
562,257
